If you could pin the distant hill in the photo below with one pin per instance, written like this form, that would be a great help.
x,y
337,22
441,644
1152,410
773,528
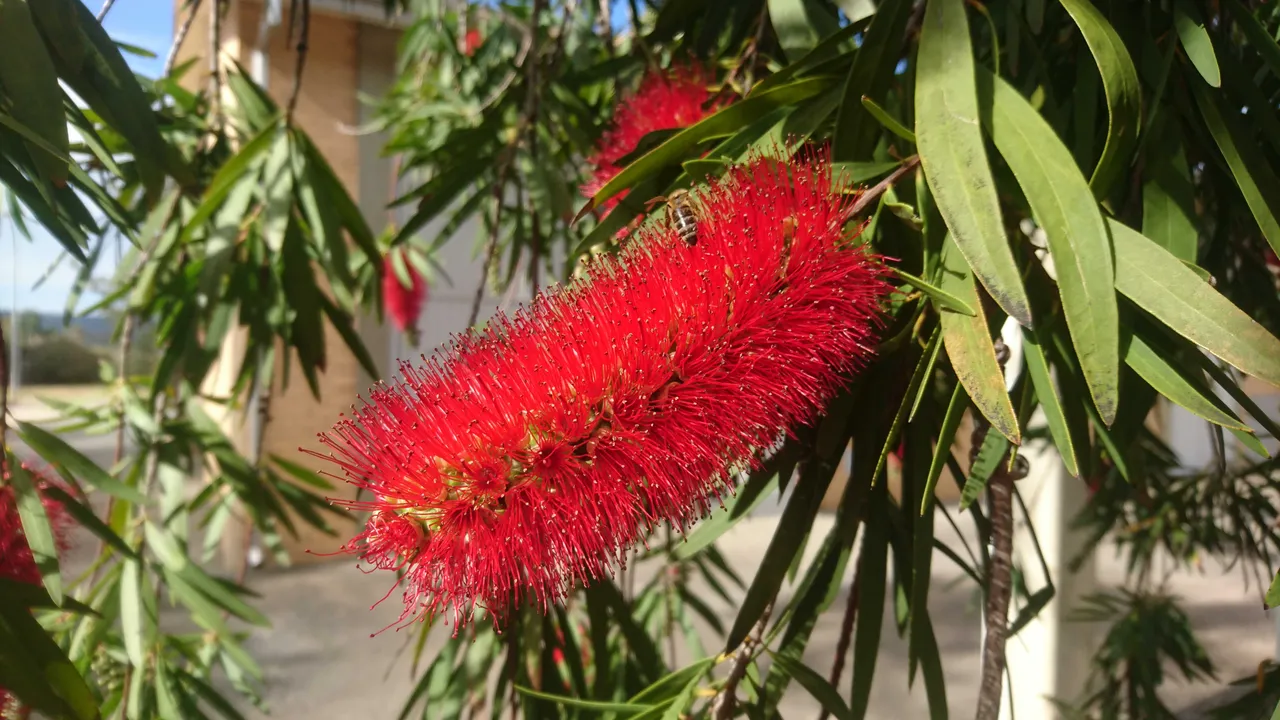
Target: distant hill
x,y
94,329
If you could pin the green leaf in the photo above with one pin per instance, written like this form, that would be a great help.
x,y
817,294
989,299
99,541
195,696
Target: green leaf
x,y
1259,39
30,81
969,346
872,565
1121,87
994,450
1189,25
672,684
135,629
954,157
1159,283
92,66
226,178
944,300
72,465
725,121
817,56
799,25
1078,237
87,519
796,521
562,701
870,76
343,323
1050,402
1168,199
36,528
889,122
817,686
33,667
276,189
1272,598
946,437
1158,365
760,486
1254,175
35,596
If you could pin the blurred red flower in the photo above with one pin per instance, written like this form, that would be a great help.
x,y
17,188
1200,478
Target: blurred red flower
x,y
403,304
471,42
672,98
16,560
535,454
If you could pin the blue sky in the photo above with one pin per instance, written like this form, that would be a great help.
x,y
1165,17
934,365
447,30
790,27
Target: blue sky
x,y
147,24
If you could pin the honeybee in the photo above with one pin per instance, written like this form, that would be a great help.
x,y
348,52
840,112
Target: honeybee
x,y
680,210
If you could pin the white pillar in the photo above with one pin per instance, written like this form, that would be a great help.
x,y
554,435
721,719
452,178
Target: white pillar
x,y
1049,658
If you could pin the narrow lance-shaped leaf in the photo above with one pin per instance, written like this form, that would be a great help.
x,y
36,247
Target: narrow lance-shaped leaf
x,y
31,84
869,76
969,346
951,149
1168,197
1189,24
1119,84
1073,224
37,528
1162,285
723,122
1254,175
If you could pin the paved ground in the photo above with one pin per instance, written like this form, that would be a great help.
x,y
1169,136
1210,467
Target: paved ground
x,y
321,663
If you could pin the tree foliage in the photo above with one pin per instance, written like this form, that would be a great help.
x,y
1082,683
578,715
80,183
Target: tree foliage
x,y
1098,177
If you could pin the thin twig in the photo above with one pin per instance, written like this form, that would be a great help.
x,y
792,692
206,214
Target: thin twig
x,y
846,636
4,400
868,196
999,586
491,247
725,701
215,64
126,343
526,122
303,36
606,25
106,8
180,37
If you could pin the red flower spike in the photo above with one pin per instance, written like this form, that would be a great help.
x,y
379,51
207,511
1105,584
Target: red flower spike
x,y
471,42
673,98
403,304
16,560
534,455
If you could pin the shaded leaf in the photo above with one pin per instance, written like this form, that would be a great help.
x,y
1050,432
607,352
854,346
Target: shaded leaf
x,y
954,157
969,346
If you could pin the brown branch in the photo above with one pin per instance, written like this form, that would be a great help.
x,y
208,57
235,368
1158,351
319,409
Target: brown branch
x,y
999,586
606,26
180,37
106,8
866,197
304,35
846,636
723,706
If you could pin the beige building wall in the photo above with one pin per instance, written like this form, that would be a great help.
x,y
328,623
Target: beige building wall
x,y
348,56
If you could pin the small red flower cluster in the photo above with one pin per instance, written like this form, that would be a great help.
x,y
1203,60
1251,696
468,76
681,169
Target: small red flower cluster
x,y
402,304
673,98
471,42
17,562
533,455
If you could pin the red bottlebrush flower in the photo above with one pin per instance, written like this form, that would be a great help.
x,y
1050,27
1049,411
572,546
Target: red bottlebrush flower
x,y
17,562
533,455
674,98
403,304
471,42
